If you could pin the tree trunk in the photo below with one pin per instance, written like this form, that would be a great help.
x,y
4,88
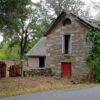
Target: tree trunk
x,y
23,44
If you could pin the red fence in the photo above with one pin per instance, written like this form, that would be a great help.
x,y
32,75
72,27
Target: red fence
x,y
14,71
2,69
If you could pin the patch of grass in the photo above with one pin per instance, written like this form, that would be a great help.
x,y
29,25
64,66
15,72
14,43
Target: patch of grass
x,y
18,86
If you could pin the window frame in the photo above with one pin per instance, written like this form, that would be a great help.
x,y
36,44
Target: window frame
x,y
69,44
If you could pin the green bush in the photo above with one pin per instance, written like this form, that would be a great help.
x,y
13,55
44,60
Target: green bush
x,y
94,55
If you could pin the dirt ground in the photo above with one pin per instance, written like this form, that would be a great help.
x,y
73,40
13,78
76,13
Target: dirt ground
x,y
17,86
28,82
9,86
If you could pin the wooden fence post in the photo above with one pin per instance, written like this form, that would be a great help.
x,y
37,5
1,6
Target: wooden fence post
x,y
21,66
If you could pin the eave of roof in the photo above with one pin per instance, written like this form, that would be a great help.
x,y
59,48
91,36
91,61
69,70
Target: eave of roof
x,y
86,23
55,22
58,19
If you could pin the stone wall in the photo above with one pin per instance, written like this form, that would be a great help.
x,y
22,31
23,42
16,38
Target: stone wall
x,y
79,48
33,62
38,72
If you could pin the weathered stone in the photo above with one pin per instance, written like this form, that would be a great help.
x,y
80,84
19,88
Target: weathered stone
x,y
79,48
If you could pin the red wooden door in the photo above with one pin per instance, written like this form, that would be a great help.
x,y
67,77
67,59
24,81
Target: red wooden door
x,y
67,70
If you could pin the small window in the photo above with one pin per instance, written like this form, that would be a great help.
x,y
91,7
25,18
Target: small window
x,y
41,62
66,44
66,21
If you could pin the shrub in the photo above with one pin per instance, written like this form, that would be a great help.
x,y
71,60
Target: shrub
x,y
94,55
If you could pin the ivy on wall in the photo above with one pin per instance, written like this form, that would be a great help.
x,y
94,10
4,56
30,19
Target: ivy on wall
x,y
93,58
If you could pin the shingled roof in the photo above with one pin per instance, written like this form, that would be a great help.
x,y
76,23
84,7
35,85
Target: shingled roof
x,y
39,49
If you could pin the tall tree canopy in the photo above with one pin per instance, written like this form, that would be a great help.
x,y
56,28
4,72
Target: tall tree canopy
x,y
75,6
15,21
20,24
12,10
54,7
96,6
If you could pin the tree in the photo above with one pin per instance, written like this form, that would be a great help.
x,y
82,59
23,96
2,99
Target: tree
x,y
23,26
15,22
8,53
94,55
11,10
96,5
74,6
14,16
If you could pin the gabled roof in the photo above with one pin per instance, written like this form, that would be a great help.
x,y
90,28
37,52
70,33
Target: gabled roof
x,y
87,23
62,15
55,22
39,49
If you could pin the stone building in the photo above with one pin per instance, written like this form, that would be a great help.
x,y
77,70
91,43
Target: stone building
x,y
64,47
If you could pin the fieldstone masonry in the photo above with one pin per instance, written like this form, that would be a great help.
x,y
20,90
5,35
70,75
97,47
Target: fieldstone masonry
x,y
78,48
